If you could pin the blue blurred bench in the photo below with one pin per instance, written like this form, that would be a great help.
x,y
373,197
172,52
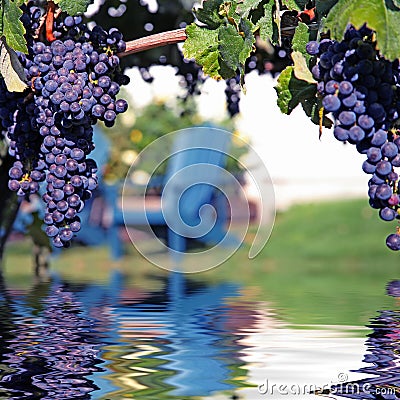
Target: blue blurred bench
x,y
194,170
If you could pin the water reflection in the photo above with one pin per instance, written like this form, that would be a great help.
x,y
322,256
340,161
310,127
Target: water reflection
x,y
382,357
61,341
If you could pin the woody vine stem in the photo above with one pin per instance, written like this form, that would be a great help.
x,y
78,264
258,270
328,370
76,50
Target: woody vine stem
x,y
153,41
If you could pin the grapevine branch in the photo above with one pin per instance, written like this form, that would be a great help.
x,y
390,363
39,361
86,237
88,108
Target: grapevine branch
x,y
153,41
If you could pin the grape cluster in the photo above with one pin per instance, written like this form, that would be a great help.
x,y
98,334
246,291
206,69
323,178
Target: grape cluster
x,y
73,82
232,94
361,90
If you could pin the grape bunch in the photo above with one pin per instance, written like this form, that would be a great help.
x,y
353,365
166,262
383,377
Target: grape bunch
x,y
361,90
73,80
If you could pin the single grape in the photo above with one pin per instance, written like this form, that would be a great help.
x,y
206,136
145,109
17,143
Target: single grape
x,y
347,118
356,134
393,242
52,231
384,192
368,168
387,214
365,122
389,150
383,168
345,87
121,106
374,154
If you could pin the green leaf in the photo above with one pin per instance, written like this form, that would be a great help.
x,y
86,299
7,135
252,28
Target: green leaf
x,y
231,44
298,5
245,6
324,6
312,107
292,91
246,30
385,21
11,69
221,52
267,25
202,45
396,3
235,48
228,10
73,7
11,26
209,13
301,70
300,39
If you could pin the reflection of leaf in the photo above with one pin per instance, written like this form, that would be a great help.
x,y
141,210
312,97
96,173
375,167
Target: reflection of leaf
x,y
301,70
386,22
11,69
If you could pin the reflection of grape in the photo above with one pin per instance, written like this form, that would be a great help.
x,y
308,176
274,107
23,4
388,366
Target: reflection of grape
x,y
73,81
47,370
357,86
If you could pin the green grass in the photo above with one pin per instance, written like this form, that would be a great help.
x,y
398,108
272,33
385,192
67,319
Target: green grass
x,y
325,263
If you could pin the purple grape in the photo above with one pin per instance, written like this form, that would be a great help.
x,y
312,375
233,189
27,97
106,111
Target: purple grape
x,y
393,242
383,168
389,150
387,214
384,192
52,231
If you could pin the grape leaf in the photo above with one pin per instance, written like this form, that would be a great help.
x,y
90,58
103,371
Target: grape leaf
x,y
312,107
292,91
300,39
11,69
11,26
209,13
301,70
202,45
294,4
385,21
267,25
73,7
233,49
231,41
221,52
228,10
323,6
246,31
245,6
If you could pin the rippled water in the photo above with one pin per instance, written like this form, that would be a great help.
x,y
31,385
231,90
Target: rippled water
x,y
186,341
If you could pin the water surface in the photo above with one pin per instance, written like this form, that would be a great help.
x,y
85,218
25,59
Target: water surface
x,y
187,340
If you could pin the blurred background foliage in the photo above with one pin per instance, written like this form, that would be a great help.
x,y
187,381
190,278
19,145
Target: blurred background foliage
x,y
140,127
